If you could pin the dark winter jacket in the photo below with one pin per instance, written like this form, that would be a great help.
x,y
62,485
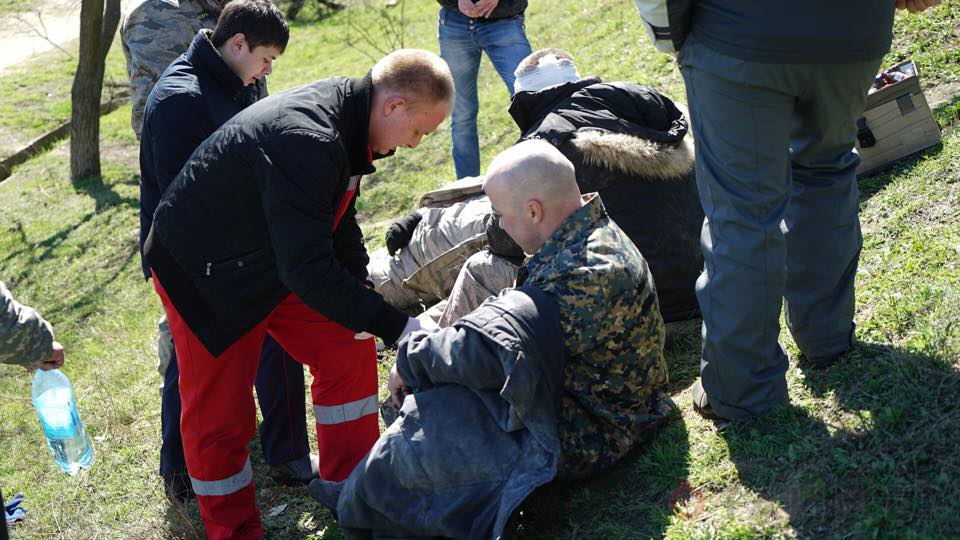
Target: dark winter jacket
x,y
795,31
504,9
249,219
628,142
480,437
196,94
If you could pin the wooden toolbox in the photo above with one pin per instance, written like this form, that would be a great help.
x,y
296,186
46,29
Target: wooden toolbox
x,y
897,121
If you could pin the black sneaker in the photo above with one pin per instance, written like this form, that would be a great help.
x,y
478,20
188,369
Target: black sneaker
x,y
178,488
298,471
701,404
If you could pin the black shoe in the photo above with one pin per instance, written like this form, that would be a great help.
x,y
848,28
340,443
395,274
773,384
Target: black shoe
x,y
178,488
701,404
298,471
326,493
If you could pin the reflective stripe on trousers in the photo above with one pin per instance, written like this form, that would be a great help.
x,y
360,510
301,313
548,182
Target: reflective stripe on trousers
x,y
224,486
339,414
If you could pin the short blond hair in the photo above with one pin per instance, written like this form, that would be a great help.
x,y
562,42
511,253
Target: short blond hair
x,y
421,76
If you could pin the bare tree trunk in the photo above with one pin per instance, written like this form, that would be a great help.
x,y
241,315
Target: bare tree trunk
x,y
97,26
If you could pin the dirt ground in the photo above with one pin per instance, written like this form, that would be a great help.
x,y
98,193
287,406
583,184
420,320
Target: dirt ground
x,y
23,35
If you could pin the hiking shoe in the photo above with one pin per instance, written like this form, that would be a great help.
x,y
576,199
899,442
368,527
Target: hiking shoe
x,y
178,488
297,471
701,404
326,493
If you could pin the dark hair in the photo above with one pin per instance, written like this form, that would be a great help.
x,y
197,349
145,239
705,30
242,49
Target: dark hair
x,y
260,22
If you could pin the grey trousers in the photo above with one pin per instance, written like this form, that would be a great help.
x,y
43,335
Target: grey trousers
x,y
776,176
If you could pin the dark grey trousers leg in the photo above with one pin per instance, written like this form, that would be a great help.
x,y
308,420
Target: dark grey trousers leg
x,y
745,117
822,226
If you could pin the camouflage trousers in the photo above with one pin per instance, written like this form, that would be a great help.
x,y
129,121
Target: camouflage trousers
x,y
424,270
483,275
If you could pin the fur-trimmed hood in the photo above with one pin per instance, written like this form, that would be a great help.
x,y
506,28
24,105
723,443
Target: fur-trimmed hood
x,y
634,156
623,127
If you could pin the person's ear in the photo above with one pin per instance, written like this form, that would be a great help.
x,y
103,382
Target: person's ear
x,y
535,210
237,42
393,103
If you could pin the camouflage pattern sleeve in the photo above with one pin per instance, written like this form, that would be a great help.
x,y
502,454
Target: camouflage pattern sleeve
x,y
153,34
25,338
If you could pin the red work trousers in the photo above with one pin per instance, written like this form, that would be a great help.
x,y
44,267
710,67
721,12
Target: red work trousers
x,y
218,417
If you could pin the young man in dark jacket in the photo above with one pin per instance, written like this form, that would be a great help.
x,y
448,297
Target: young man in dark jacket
x,y
215,79
258,234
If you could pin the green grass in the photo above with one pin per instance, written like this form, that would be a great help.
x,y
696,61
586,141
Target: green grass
x,y
866,449
36,95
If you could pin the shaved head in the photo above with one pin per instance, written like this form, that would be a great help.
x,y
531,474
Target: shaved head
x,y
533,169
532,188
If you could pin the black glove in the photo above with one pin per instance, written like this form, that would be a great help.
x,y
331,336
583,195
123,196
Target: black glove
x,y
501,244
399,234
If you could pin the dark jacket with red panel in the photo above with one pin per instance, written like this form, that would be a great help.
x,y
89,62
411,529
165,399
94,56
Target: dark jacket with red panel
x,y
250,218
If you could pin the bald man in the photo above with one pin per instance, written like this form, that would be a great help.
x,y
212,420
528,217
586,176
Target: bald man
x,y
586,291
615,366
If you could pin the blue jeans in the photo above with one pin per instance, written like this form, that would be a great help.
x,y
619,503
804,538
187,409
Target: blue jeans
x,y
283,432
776,175
462,40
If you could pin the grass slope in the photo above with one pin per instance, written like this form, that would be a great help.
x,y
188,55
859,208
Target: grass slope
x,y
866,449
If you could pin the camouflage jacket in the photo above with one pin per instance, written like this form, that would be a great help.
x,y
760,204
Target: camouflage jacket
x,y
613,334
153,34
25,338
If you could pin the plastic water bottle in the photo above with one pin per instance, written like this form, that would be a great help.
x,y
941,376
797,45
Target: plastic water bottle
x,y
57,409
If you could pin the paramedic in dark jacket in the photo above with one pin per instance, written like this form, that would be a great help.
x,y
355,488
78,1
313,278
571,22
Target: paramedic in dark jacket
x,y
258,234
215,79
775,89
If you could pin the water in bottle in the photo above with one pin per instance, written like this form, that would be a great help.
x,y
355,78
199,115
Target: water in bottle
x,y
57,409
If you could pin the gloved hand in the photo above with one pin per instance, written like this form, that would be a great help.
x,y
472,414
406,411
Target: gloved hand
x,y
501,244
399,234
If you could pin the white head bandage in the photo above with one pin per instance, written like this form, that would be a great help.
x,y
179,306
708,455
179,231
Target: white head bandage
x,y
549,71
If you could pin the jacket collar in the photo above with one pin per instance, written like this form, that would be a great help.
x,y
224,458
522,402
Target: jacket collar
x,y
527,107
213,6
355,128
572,232
203,54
